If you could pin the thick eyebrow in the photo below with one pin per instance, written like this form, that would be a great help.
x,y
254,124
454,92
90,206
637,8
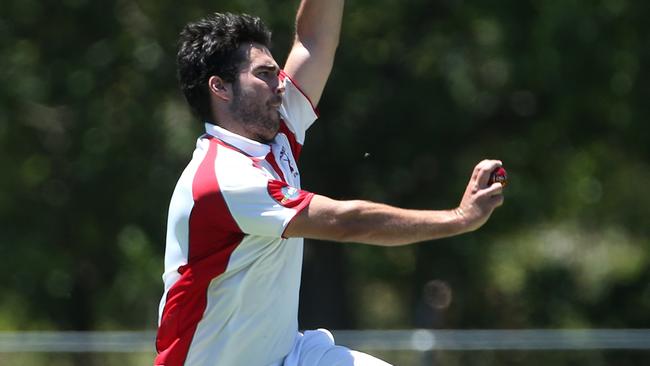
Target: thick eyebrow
x,y
267,67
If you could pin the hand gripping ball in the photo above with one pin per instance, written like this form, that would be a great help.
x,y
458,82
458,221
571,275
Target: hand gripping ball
x,y
499,175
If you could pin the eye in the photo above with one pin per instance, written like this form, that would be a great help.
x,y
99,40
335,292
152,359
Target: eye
x,y
268,73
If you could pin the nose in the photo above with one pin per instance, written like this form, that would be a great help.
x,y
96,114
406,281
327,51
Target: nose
x,y
279,89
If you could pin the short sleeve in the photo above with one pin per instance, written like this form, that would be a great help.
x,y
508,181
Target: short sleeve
x,y
296,109
262,206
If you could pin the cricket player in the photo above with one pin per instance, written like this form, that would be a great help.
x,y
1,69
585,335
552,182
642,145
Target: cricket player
x,y
238,214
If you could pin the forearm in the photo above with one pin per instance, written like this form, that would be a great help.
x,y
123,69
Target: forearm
x,y
318,24
373,223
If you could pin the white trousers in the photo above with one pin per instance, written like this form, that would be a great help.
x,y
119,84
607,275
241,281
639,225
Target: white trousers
x,y
317,348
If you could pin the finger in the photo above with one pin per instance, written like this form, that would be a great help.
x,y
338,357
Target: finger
x,y
475,172
496,201
478,169
487,167
495,189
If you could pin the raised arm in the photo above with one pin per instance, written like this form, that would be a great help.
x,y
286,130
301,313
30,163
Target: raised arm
x,y
374,223
318,25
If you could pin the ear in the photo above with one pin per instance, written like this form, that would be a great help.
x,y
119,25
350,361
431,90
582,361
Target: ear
x,y
219,88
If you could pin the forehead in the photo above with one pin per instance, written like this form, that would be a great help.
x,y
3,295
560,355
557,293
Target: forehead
x,y
257,55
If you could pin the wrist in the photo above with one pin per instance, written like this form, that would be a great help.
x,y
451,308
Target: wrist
x,y
460,221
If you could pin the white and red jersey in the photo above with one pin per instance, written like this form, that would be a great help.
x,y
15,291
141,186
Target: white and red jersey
x,y
231,279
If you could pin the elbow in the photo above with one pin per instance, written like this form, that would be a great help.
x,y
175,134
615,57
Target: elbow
x,y
345,222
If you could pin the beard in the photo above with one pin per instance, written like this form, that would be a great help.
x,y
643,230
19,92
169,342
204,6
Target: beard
x,y
257,117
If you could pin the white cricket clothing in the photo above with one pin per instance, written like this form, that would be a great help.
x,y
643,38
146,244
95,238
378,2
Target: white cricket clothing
x,y
231,279
317,348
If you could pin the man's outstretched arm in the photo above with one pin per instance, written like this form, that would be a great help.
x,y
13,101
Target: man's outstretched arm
x,y
374,223
318,26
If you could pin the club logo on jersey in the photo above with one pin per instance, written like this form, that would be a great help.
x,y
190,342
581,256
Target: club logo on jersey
x,y
285,194
288,194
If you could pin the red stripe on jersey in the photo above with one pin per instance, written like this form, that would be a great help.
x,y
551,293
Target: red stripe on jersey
x,y
285,75
213,236
293,143
271,159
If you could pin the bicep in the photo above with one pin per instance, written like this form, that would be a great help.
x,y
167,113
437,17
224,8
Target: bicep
x,y
310,69
346,221
321,219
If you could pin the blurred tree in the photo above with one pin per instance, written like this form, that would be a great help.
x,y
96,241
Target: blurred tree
x,y
94,133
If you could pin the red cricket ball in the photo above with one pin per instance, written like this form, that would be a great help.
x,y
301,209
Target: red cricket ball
x,y
499,175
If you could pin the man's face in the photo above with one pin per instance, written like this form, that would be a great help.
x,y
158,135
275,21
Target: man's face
x,y
257,94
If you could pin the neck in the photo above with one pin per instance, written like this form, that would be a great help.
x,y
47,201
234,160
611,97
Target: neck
x,y
240,129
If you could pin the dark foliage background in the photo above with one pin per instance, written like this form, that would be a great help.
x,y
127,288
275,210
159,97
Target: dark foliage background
x,y
94,134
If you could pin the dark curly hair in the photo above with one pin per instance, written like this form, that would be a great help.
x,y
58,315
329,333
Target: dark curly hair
x,y
210,47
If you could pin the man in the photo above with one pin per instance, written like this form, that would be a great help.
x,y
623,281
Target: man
x,y
238,215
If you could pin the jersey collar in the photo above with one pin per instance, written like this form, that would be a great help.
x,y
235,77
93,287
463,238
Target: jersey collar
x,y
246,145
